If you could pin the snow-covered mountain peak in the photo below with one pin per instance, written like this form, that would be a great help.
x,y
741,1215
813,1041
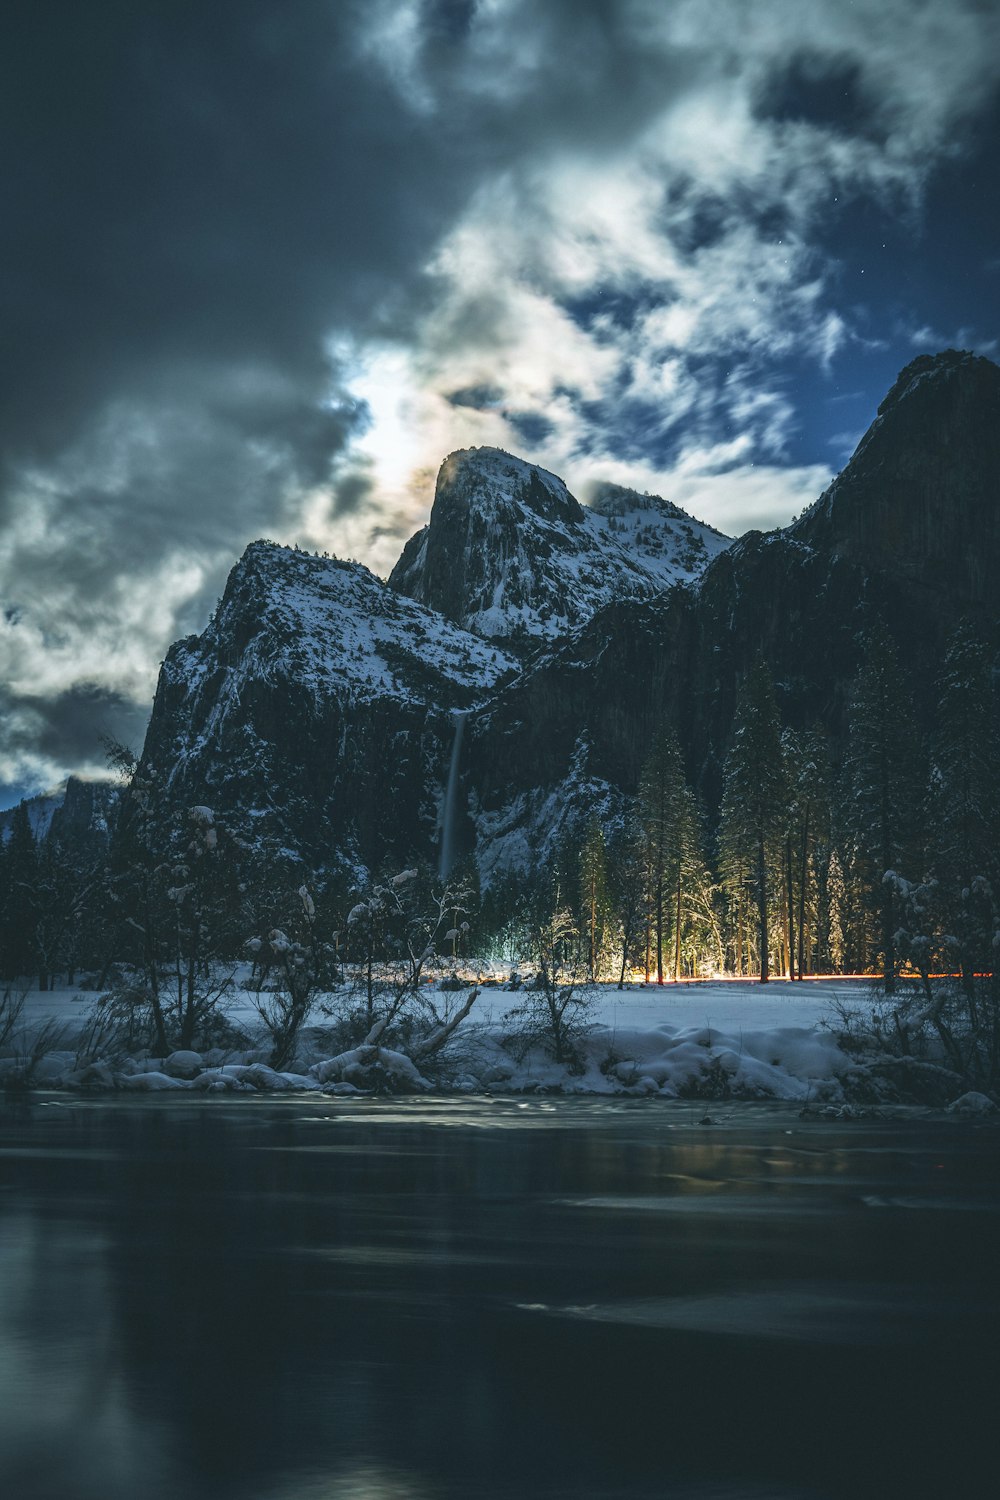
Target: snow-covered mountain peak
x,y
334,626
669,543
512,555
618,500
315,708
490,476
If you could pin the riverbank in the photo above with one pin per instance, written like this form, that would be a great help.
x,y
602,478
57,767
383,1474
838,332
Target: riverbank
x,y
707,1040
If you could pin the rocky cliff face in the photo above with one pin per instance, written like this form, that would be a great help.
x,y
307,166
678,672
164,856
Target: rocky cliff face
x,y
316,708
909,532
77,815
314,712
511,555
920,498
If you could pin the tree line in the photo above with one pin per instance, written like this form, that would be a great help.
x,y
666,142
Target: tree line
x,y
874,855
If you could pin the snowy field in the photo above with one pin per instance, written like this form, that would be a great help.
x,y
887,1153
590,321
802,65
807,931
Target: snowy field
x,y
724,1004
709,1039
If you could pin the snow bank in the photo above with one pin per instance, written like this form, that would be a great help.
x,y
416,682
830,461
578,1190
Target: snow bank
x,y
365,1067
712,1040
973,1104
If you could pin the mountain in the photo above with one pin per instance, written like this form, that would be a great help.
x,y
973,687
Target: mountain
x,y
920,496
315,708
77,814
909,532
318,708
511,555
41,808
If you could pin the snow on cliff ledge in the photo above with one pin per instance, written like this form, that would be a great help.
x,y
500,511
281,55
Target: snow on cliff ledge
x,y
333,627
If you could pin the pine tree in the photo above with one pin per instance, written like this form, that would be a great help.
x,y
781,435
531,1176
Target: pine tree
x,y
627,888
963,805
690,881
736,874
593,894
136,875
57,910
753,801
20,898
668,819
656,788
204,901
4,898
881,786
807,776
835,905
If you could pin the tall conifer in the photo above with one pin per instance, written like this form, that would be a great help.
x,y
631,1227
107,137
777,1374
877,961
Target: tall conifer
x,y
881,782
753,799
963,805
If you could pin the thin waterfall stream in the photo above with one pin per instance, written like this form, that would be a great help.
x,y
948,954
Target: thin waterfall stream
x,y
450,814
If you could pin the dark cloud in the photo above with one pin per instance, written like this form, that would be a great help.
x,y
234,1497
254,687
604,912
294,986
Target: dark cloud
x,y
352,491
449,20
215,184
532,427
69,722
226,183
69,728
477,397
578,73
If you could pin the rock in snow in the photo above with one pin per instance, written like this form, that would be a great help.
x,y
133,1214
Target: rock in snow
x,y
973,1104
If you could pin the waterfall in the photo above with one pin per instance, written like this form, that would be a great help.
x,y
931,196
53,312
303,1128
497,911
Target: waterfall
x,y
450,812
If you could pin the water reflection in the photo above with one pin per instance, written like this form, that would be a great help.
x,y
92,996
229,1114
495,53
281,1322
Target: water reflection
x,y
277,1301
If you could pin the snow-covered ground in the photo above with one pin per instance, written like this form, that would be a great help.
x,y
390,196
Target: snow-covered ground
x,y
674,1040
725,1005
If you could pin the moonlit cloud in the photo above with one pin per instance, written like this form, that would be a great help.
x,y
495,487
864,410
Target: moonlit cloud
x,y
298,255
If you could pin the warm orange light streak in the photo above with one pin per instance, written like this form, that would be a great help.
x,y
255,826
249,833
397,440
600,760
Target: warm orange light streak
x,y
640,978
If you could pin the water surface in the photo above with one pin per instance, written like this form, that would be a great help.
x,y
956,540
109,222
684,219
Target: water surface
x,y
296,1300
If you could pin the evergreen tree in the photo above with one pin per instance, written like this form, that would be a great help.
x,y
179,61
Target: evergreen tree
x,y
4,897
807,777
593,894
963,805
20,898
835,907
657,782
736,875
753,801
58,891
668,820
136,880
693,914
627,888
881,787
203,898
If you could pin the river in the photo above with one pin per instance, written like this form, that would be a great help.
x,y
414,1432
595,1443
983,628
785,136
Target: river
x,y
381,1300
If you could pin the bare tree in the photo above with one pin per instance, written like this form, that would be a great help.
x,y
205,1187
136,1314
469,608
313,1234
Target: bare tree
x,y
296,961
553,1012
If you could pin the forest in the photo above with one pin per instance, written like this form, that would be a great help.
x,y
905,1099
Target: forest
x,y
877,856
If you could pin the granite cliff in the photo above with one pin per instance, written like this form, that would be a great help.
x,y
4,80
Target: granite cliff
x,y
317,709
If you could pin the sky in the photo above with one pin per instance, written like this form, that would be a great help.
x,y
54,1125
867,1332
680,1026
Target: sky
x,y
265,265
